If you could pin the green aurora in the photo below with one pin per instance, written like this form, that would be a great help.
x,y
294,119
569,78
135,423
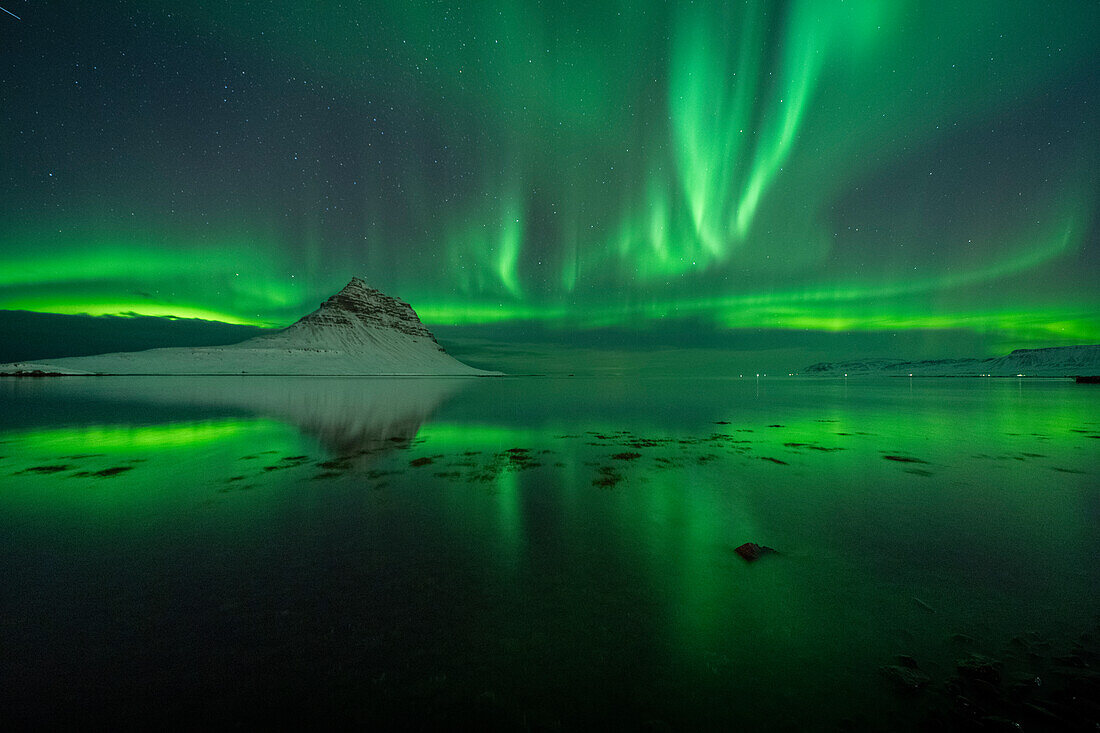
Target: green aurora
x,y
776,167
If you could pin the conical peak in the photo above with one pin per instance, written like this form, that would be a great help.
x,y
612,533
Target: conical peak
x,y
358,297
357,290
356,287
358,305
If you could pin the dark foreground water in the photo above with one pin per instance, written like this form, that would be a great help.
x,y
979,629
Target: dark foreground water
x,y
549,553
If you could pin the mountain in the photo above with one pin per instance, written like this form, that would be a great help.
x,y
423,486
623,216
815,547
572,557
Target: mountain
x,y
358,331
1060,361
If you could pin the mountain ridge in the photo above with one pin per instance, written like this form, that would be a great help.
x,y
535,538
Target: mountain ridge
x,y
359,331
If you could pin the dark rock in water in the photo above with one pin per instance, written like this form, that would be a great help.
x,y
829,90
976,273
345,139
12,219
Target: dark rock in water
x,y
751,551
905,677
1070,660
1024,688
977,667
113,471
962,640
907,661
997,723
1044,717
984,690
904,459
1024,685
46,469
923,605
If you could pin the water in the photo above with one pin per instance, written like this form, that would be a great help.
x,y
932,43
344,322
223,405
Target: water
x,y
541,553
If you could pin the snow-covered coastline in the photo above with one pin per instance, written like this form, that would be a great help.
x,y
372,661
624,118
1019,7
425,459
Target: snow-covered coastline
x,y
359,331
1060,361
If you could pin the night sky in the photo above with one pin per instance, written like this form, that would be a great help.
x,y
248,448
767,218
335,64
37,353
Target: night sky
x,y
615,183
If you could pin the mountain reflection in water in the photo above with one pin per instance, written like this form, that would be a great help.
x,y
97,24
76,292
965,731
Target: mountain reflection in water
x,y
354,419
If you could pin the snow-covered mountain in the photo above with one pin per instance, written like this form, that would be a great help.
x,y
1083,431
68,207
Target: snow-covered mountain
x,y
1061,361
358,331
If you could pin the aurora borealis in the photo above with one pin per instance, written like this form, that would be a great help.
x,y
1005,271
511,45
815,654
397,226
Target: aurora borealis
x,y
917,178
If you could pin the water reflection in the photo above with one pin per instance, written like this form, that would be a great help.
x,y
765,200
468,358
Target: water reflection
x,y
352,418
558,550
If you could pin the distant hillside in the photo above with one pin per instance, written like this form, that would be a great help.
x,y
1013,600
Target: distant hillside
x,y
1062,361
29,336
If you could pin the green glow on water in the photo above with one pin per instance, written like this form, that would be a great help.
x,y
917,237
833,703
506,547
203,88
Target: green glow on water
x,y
461,436
874,493
124,438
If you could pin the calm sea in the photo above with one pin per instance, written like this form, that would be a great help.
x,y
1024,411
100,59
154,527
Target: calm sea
x,y
542,553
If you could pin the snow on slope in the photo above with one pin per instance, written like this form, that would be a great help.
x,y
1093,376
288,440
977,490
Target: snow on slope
x,y
358,331
1061,361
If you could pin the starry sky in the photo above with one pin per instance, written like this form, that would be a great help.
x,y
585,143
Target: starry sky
x,y
547,183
